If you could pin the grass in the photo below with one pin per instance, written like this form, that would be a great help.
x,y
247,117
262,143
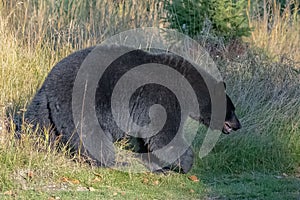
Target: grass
x,y
243,186
261,161
266,108
32,170
253,186
276,30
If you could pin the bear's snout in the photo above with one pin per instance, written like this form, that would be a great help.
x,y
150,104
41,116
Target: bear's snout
x,y
232,124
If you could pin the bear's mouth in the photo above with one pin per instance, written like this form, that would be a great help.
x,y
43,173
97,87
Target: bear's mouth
x,y
227,128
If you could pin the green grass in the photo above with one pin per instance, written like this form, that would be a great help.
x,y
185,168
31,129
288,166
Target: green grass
x,y
249,164
32,170
108,184
252,186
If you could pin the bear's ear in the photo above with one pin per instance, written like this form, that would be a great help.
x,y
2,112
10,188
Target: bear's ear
x,y
220,88
224,84
221,85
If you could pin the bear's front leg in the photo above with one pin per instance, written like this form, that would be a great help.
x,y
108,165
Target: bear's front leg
x,y
185,162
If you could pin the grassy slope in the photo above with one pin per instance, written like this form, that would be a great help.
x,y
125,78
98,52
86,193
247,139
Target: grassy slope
x,y
242,186
249,164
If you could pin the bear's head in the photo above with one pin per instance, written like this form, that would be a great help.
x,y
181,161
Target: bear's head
x,y
230,122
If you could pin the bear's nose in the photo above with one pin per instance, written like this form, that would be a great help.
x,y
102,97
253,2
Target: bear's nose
x,y
237,125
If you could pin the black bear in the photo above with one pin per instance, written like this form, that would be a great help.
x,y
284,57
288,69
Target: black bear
x,y
52,105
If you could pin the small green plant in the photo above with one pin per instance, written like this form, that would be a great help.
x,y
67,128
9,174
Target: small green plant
x,y
223,18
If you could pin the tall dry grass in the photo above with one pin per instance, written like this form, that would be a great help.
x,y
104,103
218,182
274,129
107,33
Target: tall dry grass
x,y
276,31
76,23
35,35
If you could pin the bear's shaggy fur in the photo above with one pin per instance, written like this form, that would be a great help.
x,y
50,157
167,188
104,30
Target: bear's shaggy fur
x,y
52,105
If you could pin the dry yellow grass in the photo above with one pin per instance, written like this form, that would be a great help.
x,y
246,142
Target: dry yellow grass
x,y
277,32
